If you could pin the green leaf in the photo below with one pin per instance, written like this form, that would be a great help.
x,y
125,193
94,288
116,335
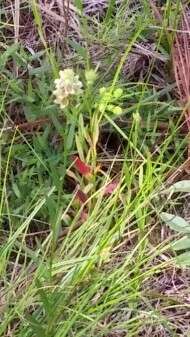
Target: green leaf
x,y
183,260
175,222
8,53
16,190
78,4
183,243
70,136
81,51
79,145
181,186
110,10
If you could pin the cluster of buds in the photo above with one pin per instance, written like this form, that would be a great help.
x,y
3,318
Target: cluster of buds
x,y
67,85
109,100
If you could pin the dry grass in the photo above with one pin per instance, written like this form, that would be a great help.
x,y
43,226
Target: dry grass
x,y
170,298
181,57
139,61
59,20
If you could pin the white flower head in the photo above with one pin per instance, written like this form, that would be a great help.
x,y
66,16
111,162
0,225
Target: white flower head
x,y
67,85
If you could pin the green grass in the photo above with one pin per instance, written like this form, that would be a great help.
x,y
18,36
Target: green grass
x,y
57,286
63,275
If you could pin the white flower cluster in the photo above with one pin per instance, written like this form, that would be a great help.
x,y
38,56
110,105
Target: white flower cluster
x,y
67,85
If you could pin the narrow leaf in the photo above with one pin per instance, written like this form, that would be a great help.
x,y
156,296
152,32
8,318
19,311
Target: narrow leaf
x,y
181,186
81,167
183,260
79,49
79,145
183,243
175,222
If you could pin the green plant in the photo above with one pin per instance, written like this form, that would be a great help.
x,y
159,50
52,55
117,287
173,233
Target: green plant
x,y
180,225
81,249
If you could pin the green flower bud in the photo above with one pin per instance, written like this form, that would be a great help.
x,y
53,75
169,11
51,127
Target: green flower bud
x,y
90,76
117,110
118,93
102,90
